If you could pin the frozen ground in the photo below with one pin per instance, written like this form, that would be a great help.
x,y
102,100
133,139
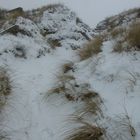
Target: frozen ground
x,y
28,115
91,11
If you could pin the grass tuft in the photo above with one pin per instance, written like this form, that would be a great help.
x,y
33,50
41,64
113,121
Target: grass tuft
x,y
54,43
57,90
2,14
50,7
91,48
89,95
67,67
129,41
133,37
118,47
65,79
63,86
5,86
92,104
116,32
91,107
36,14
86,131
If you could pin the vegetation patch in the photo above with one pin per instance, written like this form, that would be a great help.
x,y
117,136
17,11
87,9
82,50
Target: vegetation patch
x,y
86,131
64,86
118,47
88,95
54,43
129,40
92,105
117,32
14,13
2,14
67,86
91,48
5,86
15,30
67,67
51,7
36,14
133,36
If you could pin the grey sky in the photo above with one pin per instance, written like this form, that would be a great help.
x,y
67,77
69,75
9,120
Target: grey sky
x,y
91,11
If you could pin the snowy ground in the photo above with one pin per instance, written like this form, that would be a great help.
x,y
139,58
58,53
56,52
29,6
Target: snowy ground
x,y
112,76
91,11
28,115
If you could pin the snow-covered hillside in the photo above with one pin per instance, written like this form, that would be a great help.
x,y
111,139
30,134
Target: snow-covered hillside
x,y
57,95
91,11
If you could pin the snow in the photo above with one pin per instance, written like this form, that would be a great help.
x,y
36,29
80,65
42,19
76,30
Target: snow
x,y
91,11
112,76
29,115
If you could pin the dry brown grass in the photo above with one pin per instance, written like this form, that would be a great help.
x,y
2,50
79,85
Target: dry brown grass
x,y
50,7
67,67
133,36
91,107
67,86
36,14
2,14
92,104
116,32
91,48
61,90
70,97
89,95
86,131
125,121
65,78
130,40
54,43
14,15
5,86
118,47
57,90
63,86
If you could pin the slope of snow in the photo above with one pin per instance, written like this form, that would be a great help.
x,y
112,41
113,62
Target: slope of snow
x,y
29,115
67,27
116,77
62,25
91,11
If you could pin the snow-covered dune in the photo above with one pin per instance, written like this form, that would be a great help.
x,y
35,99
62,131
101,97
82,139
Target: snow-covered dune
x,y
57,95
